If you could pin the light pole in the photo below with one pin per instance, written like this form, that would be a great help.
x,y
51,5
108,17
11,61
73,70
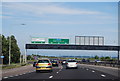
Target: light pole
x,y
9,50
24,55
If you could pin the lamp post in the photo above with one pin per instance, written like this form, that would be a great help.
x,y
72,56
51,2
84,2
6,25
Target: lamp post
x,y
24,55
10,49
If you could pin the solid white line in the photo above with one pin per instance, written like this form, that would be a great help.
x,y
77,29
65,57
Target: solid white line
x,y
103,75
50,76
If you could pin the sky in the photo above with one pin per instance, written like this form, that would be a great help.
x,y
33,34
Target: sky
x,y
60,19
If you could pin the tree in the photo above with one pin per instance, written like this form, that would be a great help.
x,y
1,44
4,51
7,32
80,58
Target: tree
x,y
5,52
102,58
107,58
15,51
96,57
29,57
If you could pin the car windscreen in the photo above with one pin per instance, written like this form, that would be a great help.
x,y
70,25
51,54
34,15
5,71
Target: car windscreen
x,y
71,61
43,61
54,61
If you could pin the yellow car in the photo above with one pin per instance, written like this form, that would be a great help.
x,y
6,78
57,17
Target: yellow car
x,y
44,65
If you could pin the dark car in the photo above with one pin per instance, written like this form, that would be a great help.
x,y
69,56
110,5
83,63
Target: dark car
x,y
34,64
83,60
55,63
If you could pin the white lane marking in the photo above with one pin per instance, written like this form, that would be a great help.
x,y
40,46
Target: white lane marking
x,y
93,71
103,75
86,69
57,72
24,73
10,76
20,74
5,77
16,75
50,76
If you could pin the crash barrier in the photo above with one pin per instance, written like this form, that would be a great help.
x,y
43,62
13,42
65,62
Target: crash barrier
x,y
105,63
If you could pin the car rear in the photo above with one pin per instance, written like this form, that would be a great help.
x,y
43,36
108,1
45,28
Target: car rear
x,y
44,65
71,64
55,63
63,62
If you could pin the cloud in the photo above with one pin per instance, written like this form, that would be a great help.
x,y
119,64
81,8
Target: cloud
x,y
70,22
48,9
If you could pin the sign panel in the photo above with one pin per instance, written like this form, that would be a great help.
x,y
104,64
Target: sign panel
x,y
58,41
1,56
38,40
89,40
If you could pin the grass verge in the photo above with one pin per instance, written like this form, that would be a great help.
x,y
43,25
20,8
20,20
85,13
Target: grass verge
x,y
13,66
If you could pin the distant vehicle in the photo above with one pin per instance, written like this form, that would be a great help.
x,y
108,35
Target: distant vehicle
x,y
98,61
55,63
71,64
83,60
87,60
63,62
44,65
34,64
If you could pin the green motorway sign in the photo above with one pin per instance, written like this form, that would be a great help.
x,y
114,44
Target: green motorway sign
x,y
58,41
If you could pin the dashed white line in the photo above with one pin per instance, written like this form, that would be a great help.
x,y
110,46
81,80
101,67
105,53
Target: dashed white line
x,y
5,77
16,75
93,71
20,74
86,69
24,73
103,75
57,72
10,76
51,77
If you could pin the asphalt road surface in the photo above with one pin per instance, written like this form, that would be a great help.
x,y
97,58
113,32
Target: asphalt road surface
x,y
62,73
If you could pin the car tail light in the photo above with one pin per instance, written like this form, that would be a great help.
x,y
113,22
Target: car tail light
x,y
66,63
49,64
76,63
37,64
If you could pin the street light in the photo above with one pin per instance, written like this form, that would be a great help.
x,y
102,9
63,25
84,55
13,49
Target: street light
x,y
10,49
24,55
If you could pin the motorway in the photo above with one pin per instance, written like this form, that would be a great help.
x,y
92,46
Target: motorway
x,y
61,72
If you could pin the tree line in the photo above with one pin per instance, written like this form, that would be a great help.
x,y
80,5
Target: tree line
x,y
15,50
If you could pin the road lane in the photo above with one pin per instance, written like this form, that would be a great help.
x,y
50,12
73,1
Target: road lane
x,y
62,73
82,73
108,70
34,75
